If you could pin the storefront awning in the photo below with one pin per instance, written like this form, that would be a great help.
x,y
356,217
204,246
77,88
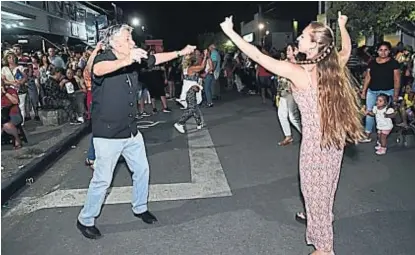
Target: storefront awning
x,y
408,28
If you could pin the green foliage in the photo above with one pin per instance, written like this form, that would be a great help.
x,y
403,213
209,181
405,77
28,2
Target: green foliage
x,y
373,17
219,39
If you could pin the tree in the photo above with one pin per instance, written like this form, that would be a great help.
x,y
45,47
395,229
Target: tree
x,y
219,39
373,17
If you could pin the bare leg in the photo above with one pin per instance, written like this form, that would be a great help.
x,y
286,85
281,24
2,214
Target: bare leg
x,y
153,103
142,104
163,101
383,140
11,129
171,90
269,92
263,95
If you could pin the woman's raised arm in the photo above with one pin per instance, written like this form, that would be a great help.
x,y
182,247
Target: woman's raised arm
x,y
281,68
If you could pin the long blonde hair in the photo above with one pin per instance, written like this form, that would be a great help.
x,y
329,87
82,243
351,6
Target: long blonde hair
x,y
339,105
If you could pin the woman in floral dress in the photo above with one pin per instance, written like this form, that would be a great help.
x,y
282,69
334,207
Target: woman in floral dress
x,y
329,114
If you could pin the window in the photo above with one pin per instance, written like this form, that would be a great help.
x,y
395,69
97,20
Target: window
x,y
37,4
80,15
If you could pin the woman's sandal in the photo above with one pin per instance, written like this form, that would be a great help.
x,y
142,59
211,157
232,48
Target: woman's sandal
x,y
89,163
286,142
301,217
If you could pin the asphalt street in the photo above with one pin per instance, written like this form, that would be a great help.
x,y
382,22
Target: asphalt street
x,y
228,189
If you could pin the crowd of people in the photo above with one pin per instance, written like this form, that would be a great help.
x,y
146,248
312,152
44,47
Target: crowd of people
x,y
41,80
61,79
308,83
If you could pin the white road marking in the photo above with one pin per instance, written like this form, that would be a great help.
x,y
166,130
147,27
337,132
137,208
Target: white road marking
x,y
208,180
148,124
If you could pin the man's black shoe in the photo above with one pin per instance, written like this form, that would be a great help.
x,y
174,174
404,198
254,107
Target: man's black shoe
x,y
88,232
147,217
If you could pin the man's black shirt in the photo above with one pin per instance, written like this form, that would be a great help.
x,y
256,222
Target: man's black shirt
x,y
114,99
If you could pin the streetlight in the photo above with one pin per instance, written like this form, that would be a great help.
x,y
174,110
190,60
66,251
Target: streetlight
x,y
267,32
143,28
135,22
261,26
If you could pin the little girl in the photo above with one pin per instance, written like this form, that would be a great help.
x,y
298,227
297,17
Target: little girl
x,y
383,114
191,110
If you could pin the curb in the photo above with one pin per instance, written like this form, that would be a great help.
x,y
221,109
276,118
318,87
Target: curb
x,y
39,165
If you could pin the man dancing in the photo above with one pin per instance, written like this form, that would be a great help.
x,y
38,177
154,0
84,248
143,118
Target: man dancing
x,y
114,126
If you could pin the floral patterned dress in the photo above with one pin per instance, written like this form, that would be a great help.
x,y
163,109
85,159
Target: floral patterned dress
x,y
319,171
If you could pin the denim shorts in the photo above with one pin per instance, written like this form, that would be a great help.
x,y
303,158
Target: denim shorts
x,y
16,119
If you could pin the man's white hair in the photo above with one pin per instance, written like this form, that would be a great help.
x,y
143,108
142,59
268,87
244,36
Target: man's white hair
x,y
112,32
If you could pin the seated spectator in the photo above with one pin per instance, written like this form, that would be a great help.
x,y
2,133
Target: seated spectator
x,y
10,114
56,94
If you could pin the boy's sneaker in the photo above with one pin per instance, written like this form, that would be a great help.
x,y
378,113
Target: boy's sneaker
x,y
199,127
381,151
180,128
75,122
166,110
365,140
145,114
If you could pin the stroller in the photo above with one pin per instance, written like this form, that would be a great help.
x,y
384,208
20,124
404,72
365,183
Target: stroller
x,y
406,135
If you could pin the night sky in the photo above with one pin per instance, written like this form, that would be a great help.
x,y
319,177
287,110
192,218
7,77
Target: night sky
x,y
179,23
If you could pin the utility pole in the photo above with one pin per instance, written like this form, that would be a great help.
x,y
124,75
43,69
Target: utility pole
x,y
115,13
259,22
319,7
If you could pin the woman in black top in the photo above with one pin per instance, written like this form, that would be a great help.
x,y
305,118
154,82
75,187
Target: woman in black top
x,y
156,86
382,76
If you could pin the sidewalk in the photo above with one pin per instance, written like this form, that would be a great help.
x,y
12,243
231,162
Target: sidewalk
x,y
45,145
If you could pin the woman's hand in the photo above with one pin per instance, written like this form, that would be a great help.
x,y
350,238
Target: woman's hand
x,y
342,19
189,49
363,94
227,25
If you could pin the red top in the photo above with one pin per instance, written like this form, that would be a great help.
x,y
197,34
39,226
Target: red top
x,y
5,102
263,72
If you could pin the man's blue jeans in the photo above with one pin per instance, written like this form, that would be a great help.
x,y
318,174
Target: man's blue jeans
x,y
107,153
91,150
209,79
370,103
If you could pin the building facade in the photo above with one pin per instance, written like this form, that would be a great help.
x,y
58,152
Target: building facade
x,y
268,32
69,20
